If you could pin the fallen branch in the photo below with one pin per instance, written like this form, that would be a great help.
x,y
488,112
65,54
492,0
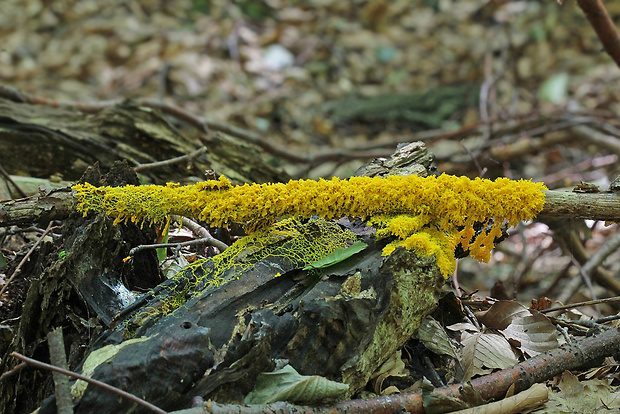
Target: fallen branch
x,y
581,304
62,389
558,204
187,157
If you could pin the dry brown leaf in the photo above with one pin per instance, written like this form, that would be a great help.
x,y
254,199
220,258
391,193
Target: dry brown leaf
x,y
483,352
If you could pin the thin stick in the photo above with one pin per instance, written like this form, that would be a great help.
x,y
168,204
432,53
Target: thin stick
x,y
25,259
10,180
603,25
200,231
205,240
125,394
580,304
170,161
13,370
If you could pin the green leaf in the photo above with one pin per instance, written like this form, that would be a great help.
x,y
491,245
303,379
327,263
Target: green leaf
x,y
162,252
338,255
286,384
2,261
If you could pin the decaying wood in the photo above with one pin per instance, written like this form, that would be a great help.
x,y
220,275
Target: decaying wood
x,y
68,140
70,286
216,345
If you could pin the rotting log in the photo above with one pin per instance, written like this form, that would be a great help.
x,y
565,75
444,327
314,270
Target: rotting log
x,y
318,323
341,322
68,140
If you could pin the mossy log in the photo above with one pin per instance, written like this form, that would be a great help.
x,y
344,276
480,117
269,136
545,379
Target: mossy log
x,y
341,322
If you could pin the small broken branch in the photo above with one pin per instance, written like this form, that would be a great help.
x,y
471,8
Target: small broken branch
x,y
580,304
56,345
187,157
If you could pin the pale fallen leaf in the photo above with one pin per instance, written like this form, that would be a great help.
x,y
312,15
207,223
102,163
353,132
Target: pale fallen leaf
x,y
534,333
524,401
483,352
286,384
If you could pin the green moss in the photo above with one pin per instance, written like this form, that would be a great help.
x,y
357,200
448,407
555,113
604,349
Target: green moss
x,y
294,243
413,296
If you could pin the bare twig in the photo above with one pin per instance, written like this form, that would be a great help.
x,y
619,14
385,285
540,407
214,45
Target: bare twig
x,y
578,172
13,370
481,171
596,137
201,232
573,246
125,394
580,304
205,240
584,277
25,259
602,253
187,157
205,237
590,266
10,180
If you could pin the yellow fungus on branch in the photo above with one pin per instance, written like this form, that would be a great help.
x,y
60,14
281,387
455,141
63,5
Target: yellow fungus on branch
x,y
429,215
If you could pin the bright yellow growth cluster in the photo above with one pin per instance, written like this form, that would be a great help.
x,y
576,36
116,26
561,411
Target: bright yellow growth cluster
x,y
430,215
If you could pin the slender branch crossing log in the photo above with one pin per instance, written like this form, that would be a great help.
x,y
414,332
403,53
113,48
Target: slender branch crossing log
x,y
558,204
597,206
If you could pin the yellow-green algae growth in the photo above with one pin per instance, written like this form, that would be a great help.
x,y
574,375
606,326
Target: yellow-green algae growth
x,y
292,241
429,215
